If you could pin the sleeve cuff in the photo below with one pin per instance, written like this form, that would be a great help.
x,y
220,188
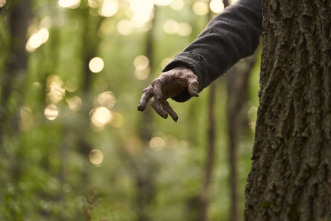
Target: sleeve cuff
x,y
192,61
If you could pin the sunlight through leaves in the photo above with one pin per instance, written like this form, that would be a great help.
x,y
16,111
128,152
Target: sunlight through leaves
x,y
69,3
107,99
141,64
171,27
51,112
157,143
200,8
177,5
216,6
55,89
94,3
96,157
185,29
125,27
100,116
96,64
74,103
37,39
142,11
162,2
2,3
109,8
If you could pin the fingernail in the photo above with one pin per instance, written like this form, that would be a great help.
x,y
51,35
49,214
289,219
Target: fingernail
x,y
196,92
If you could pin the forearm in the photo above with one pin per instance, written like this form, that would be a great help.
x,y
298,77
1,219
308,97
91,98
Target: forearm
x,y
230,36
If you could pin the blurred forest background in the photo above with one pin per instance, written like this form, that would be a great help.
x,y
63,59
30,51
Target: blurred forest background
x,y
73,145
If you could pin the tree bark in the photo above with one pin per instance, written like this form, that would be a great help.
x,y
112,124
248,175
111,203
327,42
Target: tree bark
x,y
291,172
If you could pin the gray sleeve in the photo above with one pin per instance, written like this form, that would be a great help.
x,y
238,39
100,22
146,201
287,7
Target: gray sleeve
x,y
230,36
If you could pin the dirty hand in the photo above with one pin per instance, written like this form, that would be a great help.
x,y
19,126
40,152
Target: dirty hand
x,y
168,85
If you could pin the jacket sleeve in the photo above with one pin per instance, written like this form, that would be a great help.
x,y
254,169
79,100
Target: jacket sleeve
x,y
230,36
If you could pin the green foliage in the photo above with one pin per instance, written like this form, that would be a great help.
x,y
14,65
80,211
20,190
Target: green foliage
x,y
63,157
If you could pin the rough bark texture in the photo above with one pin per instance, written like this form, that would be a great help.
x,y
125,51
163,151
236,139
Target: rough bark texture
x,y
291,173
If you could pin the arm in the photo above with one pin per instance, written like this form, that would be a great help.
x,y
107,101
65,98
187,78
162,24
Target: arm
x,y
232,35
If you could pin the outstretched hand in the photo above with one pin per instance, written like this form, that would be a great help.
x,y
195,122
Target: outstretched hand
x,y
168,85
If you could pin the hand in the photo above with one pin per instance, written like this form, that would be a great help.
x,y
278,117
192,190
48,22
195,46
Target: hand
x,y
168,85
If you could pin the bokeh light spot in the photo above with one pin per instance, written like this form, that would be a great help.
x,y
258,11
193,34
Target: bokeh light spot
x,y
107,99
157,143
94,3
216,6
162,2
74,103
200,8
55,89
171,26
177,5
100,116
142,11
96,157
184,29
125,27
142,74
37,39
2,3
69,3
141,62
51,112
96,64
109,8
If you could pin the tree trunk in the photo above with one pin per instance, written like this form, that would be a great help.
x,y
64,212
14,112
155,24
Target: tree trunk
x,y
237,96
205,196
291,172
143,166
12,80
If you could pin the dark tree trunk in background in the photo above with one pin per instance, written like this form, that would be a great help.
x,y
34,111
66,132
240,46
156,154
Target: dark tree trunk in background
x,y
291,173
89,49
237,96
144,167
13,75
205,196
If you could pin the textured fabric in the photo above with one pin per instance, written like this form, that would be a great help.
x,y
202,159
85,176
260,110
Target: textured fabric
x,y
230,36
